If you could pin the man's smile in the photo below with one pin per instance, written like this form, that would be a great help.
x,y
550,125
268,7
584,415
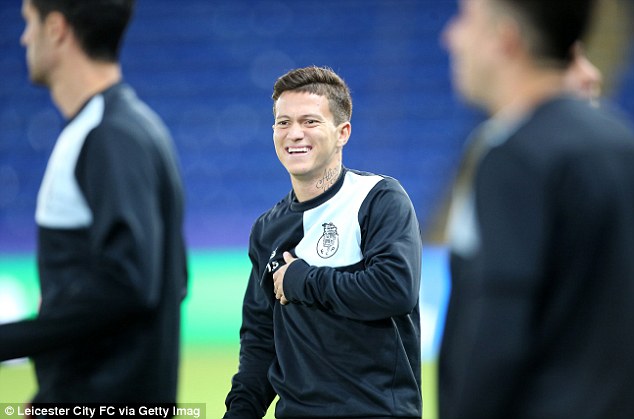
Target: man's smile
x,y
298,149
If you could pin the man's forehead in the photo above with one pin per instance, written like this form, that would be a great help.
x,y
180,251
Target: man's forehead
x,y
296,101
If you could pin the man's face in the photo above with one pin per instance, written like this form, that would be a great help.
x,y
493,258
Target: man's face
x,y
471,39
33,38
307,141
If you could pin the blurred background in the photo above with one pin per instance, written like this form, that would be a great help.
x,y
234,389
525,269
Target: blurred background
x,y
208,67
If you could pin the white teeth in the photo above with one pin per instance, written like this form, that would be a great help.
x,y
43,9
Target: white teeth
x,y
293,150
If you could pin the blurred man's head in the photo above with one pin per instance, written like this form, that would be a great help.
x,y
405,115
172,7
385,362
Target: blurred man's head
x,y
487,38
550,27
96,25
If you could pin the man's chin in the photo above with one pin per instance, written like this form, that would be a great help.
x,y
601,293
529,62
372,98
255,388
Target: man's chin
x,y
38,80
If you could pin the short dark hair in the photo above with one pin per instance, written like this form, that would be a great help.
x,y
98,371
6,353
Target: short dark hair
x,y
321,81
98,24
554,25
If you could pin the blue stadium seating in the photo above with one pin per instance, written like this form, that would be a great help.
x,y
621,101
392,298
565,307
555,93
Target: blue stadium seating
x,y
208,69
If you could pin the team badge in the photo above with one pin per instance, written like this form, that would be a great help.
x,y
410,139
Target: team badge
x,y
328,243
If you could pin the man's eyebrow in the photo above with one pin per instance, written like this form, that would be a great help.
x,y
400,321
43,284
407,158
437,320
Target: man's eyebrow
x,y
306,116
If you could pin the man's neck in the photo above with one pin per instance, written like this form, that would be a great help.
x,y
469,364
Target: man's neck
x,y
524,90
306,190
73,88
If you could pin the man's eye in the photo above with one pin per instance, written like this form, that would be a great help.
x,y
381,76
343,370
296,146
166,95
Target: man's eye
x,y
311,122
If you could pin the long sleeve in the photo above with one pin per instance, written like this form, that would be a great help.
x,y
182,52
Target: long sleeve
x,y
251,393
120,180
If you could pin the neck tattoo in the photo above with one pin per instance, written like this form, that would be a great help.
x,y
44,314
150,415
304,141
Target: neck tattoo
x,y
328,179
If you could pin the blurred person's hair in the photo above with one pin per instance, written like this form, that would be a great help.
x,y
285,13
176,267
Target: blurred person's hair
x,y
551,27
99,25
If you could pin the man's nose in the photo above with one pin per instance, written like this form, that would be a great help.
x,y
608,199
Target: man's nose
x,y
296,131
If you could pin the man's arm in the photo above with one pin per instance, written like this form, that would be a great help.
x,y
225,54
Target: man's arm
x,y
251,393
388,284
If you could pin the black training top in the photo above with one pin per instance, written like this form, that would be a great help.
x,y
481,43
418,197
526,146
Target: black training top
x,y
111,260
348,343
540,320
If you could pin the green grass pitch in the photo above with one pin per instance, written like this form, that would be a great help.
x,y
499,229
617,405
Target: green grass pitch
x,y
211,320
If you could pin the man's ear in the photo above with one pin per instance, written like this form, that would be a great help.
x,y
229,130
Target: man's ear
x,y
343,132
56,27
512,41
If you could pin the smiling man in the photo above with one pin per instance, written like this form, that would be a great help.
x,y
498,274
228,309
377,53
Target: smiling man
x,y
330,315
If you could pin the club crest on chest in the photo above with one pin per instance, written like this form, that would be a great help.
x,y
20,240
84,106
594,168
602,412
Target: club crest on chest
x,y
328,243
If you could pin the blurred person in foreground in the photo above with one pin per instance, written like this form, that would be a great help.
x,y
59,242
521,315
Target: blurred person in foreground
x,y
331,311
582,78
111,255
540,322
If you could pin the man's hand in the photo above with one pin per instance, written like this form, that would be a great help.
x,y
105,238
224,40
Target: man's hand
x,y
278,278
